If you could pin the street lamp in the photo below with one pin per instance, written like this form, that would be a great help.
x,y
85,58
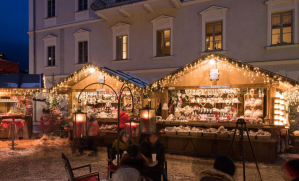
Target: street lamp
x,y
147,120
132,128
80,124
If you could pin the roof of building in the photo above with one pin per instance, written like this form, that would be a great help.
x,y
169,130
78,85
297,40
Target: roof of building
x,y
21,81
83,73
104,4
233,62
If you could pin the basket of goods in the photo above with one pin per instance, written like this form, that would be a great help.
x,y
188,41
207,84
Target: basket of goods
x,y
170,130
263,135
211,132
252,135
232,132
184,131
196,132
170,118
222,132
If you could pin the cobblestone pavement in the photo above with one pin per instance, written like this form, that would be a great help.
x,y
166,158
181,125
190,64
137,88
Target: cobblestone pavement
x,y
41,160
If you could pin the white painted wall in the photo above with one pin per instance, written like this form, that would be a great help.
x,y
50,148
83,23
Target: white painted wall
x,y
246,38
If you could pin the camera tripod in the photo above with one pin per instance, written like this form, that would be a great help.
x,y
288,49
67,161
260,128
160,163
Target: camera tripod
x,y
242,123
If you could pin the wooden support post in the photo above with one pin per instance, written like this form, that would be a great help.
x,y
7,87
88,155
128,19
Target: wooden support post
x,y
271,97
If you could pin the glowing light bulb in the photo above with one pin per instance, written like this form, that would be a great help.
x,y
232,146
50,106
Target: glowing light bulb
x,y
92,70
212,61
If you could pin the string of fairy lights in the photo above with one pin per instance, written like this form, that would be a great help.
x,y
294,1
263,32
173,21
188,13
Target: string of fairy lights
x,y
230,65
249,71
97,71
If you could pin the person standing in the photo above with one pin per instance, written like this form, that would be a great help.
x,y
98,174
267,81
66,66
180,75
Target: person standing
x,y
152,145
92,129
123,118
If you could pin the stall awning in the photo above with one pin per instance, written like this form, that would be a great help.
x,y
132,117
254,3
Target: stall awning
x,y
127,76
21,81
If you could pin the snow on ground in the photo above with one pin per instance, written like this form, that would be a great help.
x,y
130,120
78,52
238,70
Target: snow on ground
x,y
41,160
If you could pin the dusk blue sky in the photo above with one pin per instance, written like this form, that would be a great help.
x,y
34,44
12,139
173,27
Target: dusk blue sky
x,y
13,31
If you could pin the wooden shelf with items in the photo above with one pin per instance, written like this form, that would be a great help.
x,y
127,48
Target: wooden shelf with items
x,y
279,110
253,104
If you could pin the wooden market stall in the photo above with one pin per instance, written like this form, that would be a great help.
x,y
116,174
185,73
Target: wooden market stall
x,y
100,100
201,102
16,103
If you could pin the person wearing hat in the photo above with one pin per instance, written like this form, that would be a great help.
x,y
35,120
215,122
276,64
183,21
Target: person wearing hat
x,y
291,170
224,170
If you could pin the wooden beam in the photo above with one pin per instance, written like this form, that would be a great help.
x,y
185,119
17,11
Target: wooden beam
x,y
102,16
148,8
124,12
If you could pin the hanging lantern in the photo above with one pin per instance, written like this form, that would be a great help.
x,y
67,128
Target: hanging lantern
x,y
80,124
132,128
147,120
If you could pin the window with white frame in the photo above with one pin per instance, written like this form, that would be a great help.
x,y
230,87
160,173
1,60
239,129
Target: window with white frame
x,y
83,52
51,55
122,47
162,36
214,36
50,42
214,28
50,8
282,22
82,5
81,46
121,41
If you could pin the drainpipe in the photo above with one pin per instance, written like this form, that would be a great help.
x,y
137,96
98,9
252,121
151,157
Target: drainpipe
x,y
34,56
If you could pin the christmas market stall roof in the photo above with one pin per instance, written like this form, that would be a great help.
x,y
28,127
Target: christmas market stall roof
x,y
91,73
22,83
229,72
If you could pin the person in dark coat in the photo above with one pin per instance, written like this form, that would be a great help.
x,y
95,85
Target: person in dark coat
x,y
134,158
152,145
291,170
224,170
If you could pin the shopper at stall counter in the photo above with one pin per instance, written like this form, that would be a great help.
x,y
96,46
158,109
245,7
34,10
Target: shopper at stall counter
x,y
224,170
291,170
152,145
123,118
124,143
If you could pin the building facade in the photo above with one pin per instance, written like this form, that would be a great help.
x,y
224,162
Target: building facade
x,y
150,38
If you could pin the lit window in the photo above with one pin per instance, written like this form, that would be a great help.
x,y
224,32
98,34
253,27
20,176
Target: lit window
x,y
163,42
282,28
214,36
122,47
51,8
51,56
83,52
82,5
